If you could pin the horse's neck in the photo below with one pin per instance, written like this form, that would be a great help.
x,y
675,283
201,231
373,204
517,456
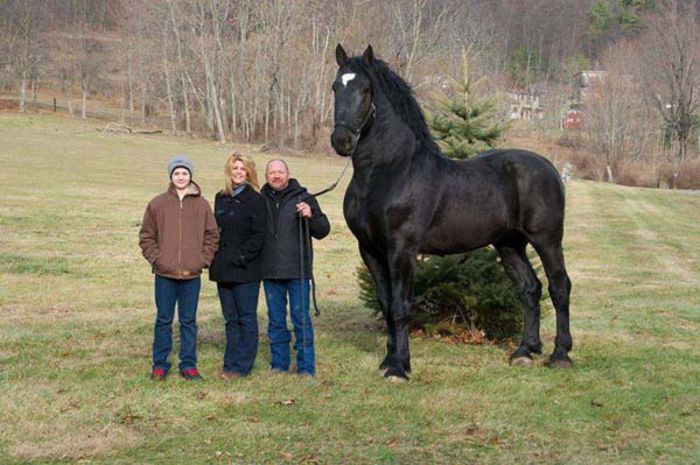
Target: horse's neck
x,y
390,143
390,150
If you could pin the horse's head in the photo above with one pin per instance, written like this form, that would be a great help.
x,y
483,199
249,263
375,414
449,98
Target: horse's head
x,y
354,105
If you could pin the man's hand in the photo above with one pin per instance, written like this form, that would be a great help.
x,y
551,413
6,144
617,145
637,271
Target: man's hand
x,y
304,209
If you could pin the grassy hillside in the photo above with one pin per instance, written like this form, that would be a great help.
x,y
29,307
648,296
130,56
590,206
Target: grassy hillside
x,y
76,315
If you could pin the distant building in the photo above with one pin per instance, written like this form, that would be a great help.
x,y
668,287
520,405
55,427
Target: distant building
x,y
584,85
525,104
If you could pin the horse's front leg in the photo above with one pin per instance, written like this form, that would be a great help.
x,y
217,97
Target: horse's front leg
x,y
377,266
402,265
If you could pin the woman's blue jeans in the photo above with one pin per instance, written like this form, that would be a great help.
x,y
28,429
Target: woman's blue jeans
x,y
276,293
184,293
239,304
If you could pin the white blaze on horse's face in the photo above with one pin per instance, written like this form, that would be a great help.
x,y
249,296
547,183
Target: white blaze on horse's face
x,y
347,77
352,104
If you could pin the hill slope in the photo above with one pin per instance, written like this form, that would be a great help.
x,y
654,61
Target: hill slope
x,y
77,313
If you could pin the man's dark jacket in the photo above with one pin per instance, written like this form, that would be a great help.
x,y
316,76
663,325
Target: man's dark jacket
x,y
281,254
242,222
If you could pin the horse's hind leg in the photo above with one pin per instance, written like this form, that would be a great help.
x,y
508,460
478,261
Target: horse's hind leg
x,y
377,266
518,267
552,258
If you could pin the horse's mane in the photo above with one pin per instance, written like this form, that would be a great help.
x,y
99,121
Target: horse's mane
x,y
400,95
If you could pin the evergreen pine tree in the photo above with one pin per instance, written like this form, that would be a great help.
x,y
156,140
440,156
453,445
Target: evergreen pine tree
x,y
464,122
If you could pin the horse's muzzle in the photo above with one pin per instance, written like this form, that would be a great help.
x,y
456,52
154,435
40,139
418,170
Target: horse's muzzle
x,y
343,141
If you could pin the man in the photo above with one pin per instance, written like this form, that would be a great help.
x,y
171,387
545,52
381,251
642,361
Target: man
x,y
178,237
291,212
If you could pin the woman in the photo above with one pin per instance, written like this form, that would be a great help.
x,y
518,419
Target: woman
x,y
240,215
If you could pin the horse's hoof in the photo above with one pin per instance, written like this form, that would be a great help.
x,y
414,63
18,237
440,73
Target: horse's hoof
x,y
561,363
521,361
396,375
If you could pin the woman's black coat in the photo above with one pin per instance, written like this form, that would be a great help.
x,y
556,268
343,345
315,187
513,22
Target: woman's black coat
x,y
242,224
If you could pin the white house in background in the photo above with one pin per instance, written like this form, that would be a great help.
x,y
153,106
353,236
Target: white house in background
x,y
525,104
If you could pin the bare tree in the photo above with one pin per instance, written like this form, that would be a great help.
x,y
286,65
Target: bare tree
x,y
615,106
23,19
672,52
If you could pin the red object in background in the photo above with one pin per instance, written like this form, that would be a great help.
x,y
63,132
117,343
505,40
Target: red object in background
x,y
574,120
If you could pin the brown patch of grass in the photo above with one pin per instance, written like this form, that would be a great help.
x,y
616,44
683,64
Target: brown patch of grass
x,y
65,441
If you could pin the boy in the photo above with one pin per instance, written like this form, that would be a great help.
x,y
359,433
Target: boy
x,y
179,238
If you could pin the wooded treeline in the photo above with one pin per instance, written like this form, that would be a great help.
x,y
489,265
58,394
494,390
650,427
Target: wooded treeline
x,y
261,70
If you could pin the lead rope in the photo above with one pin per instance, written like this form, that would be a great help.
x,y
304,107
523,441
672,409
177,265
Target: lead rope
x,y
302,309
304,230
305,236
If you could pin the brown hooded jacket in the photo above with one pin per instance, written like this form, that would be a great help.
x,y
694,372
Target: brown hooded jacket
x,y
179,237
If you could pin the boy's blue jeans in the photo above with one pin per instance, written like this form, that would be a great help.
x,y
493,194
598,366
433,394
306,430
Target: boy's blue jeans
x,y
276,292
239,304
184,293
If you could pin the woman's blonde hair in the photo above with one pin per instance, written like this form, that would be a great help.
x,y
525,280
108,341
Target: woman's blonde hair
x,y
248,165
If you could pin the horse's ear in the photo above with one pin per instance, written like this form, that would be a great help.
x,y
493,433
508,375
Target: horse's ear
x,y
340,56
368,56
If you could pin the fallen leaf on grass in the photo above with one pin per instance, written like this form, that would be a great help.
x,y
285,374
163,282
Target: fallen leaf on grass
x,y
286,456
495,440
596,403
128,418
286,402
309,459
392,443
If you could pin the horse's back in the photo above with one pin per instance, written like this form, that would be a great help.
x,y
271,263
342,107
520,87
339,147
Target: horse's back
x,y
538,186
494,193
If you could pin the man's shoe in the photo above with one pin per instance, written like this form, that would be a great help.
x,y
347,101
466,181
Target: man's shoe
x,y
158,374
191,374
276,372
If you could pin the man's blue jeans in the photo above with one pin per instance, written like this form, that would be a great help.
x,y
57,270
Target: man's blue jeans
x,y
184,293
276,292
239,304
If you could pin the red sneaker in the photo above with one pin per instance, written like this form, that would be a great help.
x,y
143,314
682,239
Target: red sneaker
x,y
158,374
191,374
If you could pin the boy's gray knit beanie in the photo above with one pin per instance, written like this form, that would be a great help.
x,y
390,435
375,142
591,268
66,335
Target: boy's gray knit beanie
x,y
180,161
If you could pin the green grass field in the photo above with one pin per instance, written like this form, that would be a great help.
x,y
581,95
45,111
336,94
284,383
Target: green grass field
x,y
76,315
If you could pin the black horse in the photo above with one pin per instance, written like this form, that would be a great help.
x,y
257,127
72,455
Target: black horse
x,y
405,199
